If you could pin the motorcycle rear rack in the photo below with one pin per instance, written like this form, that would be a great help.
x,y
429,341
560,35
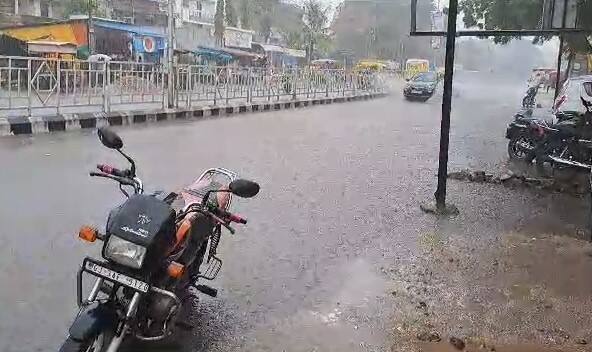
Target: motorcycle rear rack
x,y
211,272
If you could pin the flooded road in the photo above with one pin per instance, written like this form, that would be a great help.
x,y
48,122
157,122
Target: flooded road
x,y
337,255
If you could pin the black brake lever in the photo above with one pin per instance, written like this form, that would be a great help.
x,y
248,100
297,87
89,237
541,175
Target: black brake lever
x,y
229,228
222,222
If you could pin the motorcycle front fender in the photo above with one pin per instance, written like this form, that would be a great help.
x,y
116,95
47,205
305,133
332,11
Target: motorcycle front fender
x,y
91,320
514,129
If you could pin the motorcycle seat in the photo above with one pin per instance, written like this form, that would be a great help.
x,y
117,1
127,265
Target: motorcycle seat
x,y
564,129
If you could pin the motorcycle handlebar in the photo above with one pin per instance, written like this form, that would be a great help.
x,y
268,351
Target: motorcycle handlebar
x,y
108,169
231,217
122,180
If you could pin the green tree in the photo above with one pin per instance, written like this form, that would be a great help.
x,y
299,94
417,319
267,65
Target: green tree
x,y
265,24
382,30
294,40
231,18
219,23
245,14
315,21
263,14
522,14
82,7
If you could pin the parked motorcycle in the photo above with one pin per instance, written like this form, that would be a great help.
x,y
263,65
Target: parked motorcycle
x,y
529,99
568,144
526,131
523,135
154,246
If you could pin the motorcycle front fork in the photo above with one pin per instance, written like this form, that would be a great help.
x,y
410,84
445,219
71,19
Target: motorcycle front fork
x,y
123,326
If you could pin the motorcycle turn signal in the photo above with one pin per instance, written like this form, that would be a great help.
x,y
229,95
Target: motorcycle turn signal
x,y
88,233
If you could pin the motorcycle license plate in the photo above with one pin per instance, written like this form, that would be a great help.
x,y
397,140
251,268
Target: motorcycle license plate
x,y
115,276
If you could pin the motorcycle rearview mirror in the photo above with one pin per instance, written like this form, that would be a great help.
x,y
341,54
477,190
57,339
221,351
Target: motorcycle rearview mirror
x,y
244,188
109,138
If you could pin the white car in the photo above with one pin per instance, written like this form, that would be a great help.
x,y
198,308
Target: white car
x,y
570,96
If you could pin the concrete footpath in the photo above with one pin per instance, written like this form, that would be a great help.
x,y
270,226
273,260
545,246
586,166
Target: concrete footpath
x,y
66,122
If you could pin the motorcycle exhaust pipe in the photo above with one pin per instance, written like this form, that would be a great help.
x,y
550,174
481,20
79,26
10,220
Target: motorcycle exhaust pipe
x,y
570,162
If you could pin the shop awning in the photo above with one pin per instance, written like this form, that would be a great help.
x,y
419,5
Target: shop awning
x,y
213,54
239,53
224,54
46,47
125,27
270,48
54,32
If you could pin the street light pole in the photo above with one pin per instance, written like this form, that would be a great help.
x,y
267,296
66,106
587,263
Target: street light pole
x,y
440,207
446,105
171,54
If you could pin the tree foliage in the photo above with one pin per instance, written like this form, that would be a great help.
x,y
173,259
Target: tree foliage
x,y
265,24
316,17
263,13
245,14
219,22
381,30
294,39
82,7
519,15
231,17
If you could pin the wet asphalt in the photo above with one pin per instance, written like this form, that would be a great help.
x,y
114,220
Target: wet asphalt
x,y
334,234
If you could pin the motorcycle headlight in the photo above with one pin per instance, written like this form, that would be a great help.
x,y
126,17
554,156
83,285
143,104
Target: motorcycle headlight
x,y
125,252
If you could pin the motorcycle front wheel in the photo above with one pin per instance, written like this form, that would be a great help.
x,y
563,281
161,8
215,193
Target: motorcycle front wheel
x,y
521,148
98,343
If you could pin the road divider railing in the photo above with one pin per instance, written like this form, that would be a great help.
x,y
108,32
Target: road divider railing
x,y
31,86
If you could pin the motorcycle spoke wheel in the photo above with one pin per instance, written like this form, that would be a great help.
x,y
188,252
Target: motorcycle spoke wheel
x,y
98,344
520,148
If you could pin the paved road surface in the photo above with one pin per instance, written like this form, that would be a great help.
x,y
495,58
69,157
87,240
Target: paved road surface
x,y
339,203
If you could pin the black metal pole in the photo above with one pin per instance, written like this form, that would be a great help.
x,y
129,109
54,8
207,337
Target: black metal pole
x,y
559,58
446,105
89,26
560,54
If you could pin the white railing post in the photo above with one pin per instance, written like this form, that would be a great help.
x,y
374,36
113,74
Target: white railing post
x,y
29,83
226,80
59,85
106,85
250,85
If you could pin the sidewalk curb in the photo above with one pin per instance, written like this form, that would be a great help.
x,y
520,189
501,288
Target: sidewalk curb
x,y
69,122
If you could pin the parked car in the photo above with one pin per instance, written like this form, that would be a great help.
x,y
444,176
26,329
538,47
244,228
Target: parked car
x,y
571,94
422,86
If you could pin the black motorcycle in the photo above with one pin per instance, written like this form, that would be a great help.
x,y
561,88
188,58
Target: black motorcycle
x,y
523,134
567,144
529,99
527,131
154,246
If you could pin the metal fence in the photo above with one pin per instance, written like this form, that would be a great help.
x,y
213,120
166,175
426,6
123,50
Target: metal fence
x,y
35,86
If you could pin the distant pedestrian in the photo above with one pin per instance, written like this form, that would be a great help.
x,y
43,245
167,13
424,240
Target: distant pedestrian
x,y
551,81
